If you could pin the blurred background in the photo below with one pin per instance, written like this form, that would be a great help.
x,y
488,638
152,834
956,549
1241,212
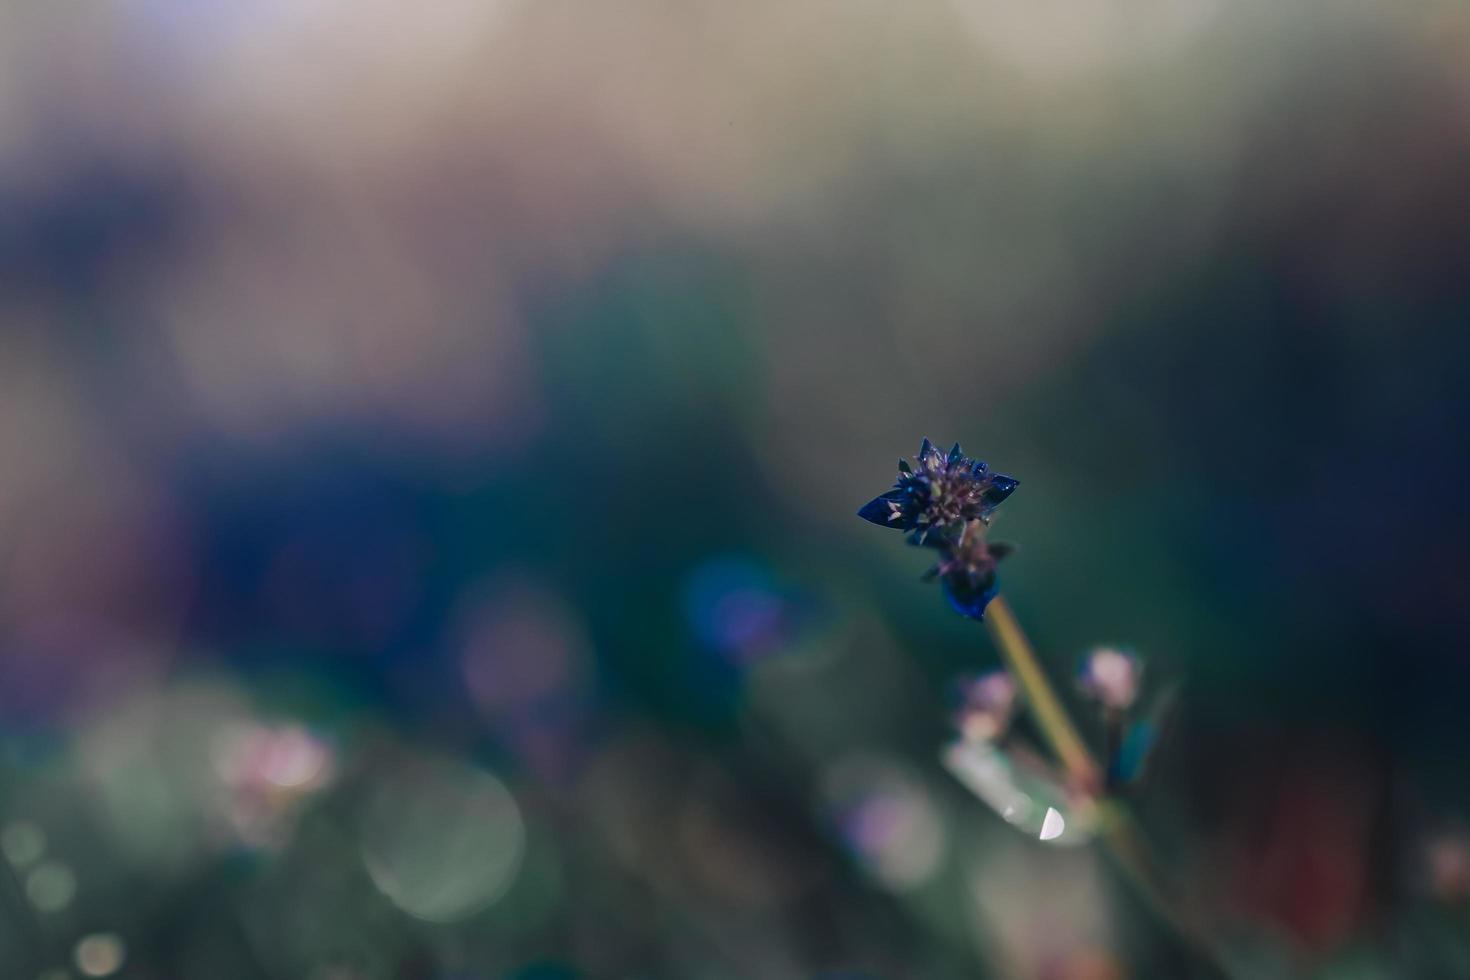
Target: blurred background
x,y
430,437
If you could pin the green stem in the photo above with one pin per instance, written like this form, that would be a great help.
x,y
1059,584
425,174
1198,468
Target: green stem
x,y
1118,829
1056,727
1112,744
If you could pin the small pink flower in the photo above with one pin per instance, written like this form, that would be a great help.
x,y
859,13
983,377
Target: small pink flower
x,y
1111,677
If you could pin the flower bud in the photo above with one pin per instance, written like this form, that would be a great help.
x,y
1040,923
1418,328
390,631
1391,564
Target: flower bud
x,y
987,704
1110,677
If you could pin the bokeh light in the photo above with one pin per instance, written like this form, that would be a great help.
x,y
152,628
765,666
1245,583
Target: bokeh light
x,y
100,954
23,843
50,886
888,820
441,840
737,610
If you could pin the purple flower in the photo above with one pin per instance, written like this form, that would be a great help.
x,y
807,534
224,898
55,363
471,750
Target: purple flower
x,y
940,492
987,703
966,569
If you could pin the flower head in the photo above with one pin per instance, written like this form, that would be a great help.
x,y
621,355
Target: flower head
x,y
966,569
941,492
1110,677
987,702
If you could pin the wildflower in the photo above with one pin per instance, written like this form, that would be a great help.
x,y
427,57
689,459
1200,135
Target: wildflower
x,y
987,704
1110,677
966,569
940,493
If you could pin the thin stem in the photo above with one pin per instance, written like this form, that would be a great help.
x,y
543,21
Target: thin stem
x,y
1112,743
1119,831
1051,717
1125,842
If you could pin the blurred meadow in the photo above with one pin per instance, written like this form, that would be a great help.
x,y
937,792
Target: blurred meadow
x,y
430,437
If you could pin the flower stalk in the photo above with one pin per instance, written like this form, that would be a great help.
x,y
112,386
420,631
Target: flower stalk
x,y
1056,726
943,502
1118,830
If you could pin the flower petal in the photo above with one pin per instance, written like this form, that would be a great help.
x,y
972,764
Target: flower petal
x,y
881,510
1000,488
